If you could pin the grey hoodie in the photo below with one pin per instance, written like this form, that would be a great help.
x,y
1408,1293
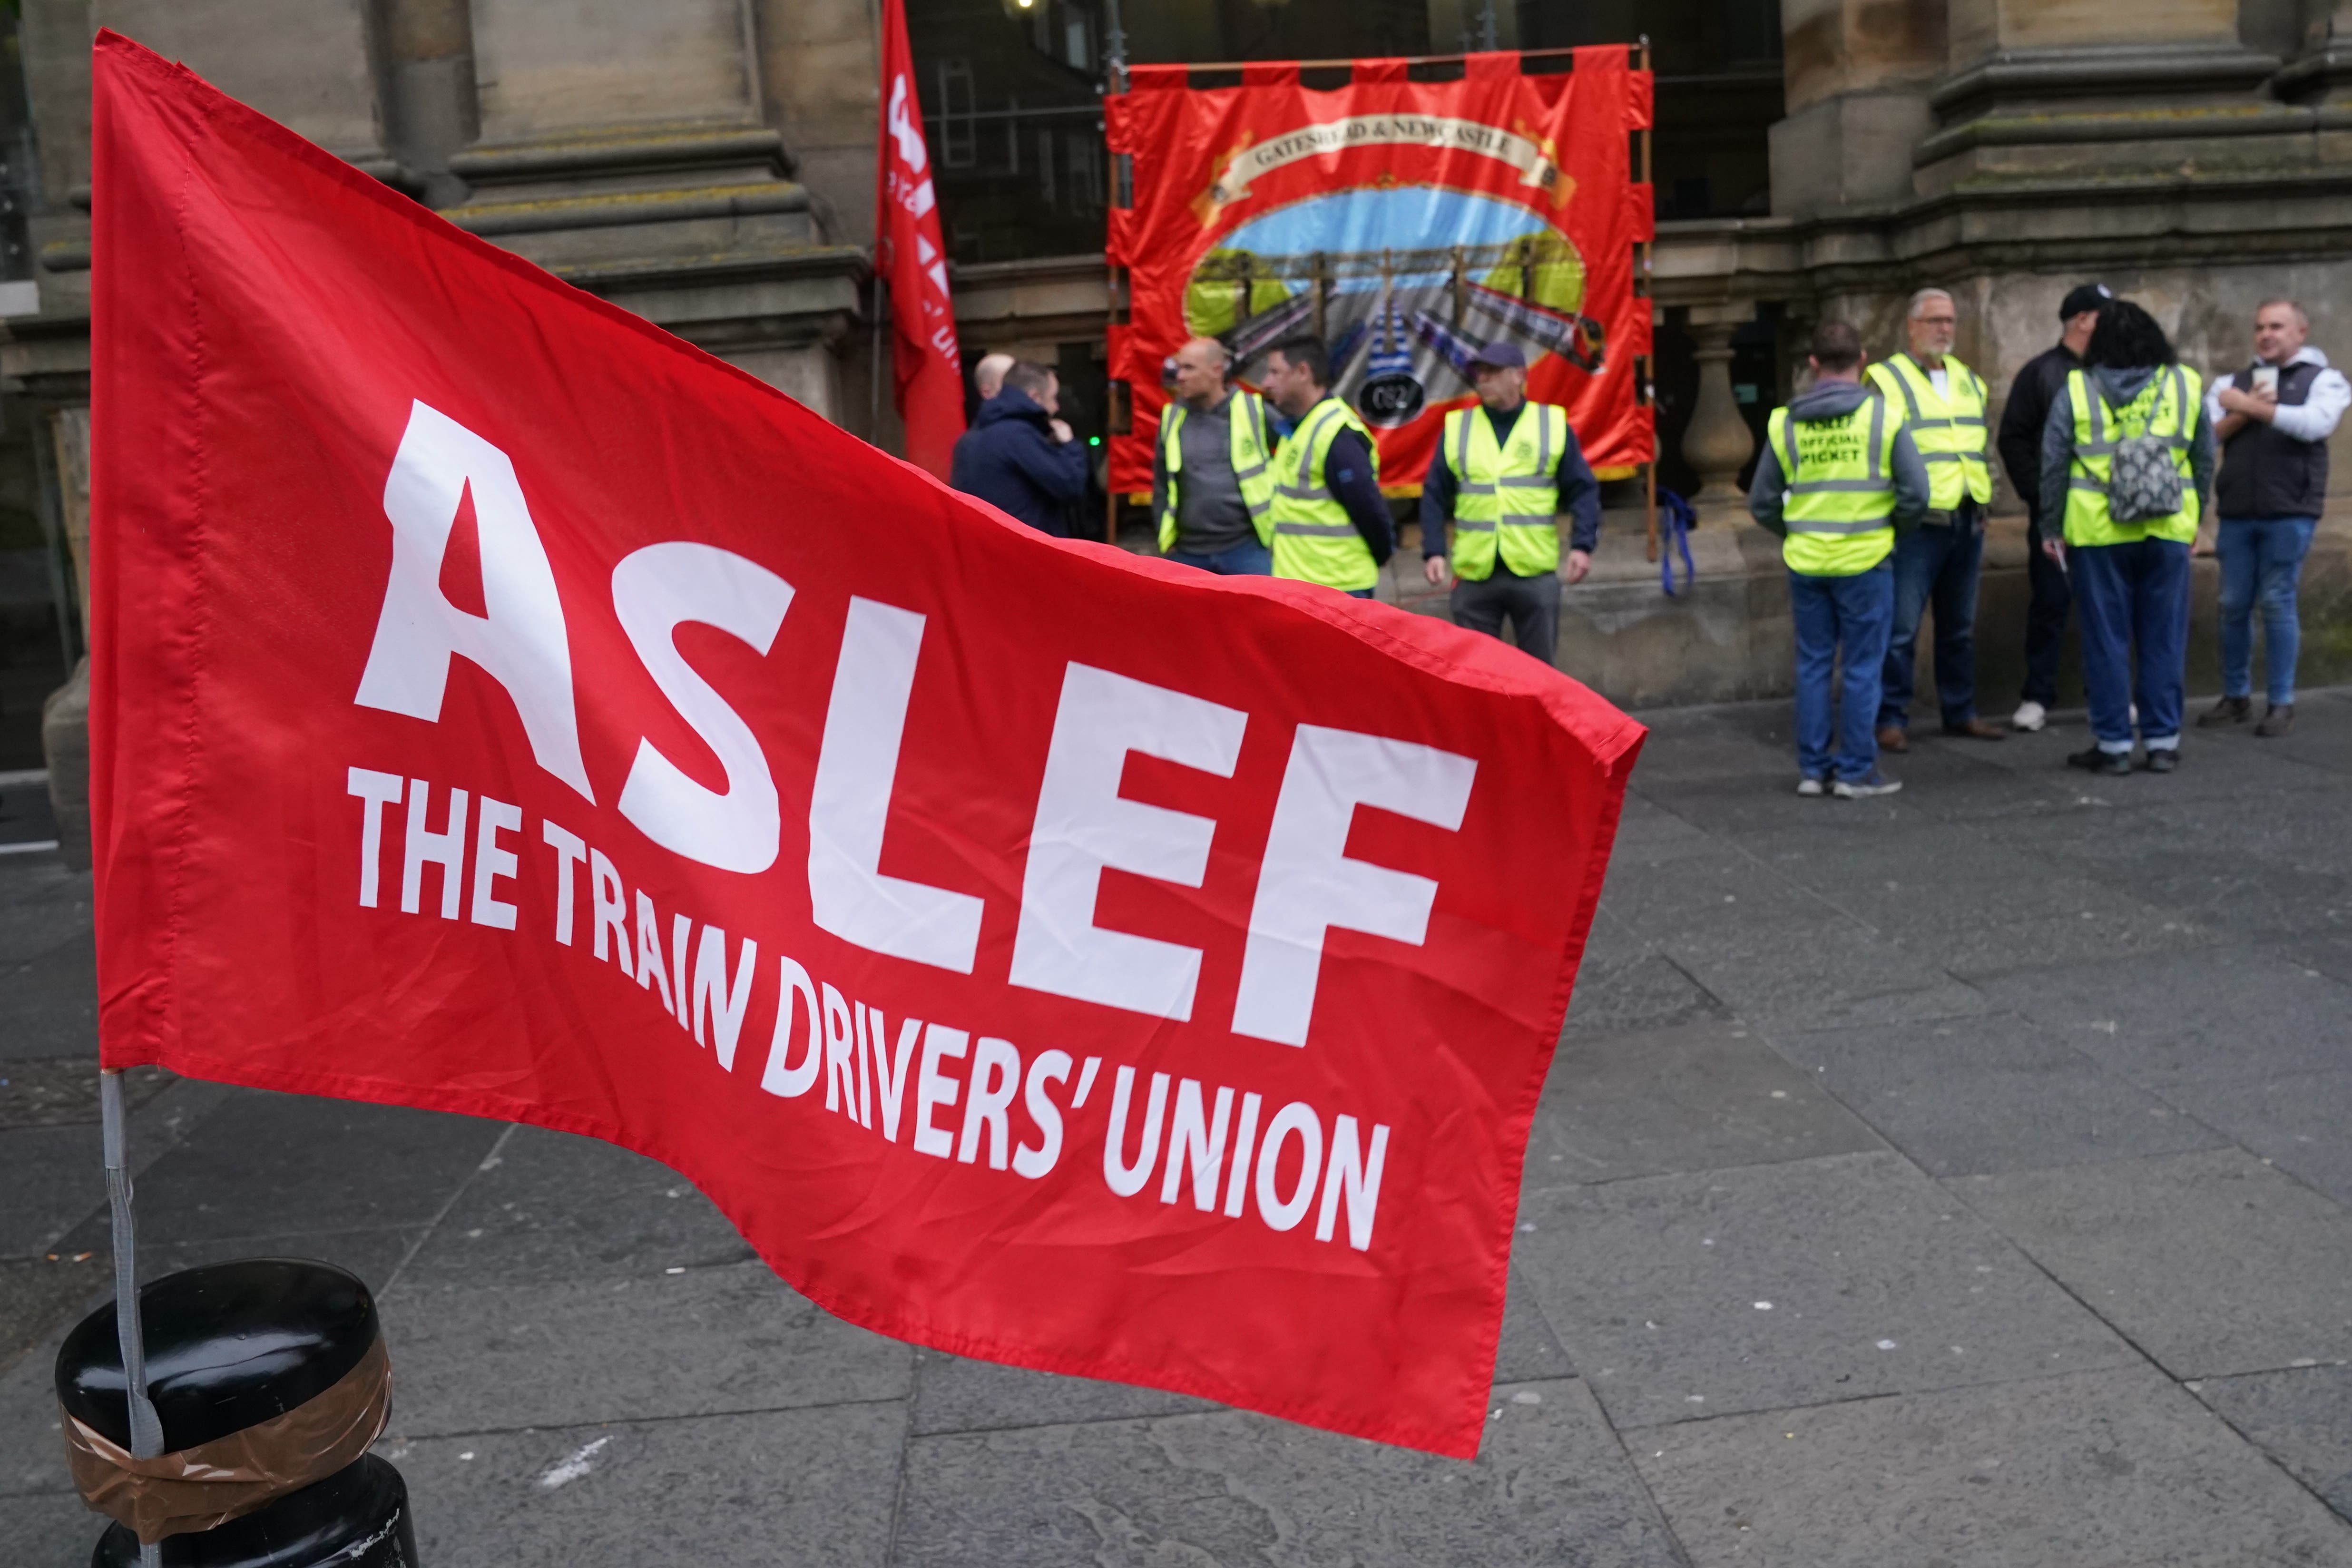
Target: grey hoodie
x,y
1835,400
2119,386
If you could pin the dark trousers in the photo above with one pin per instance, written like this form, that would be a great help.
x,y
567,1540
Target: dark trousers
x,y
1249,559
1531,603
2134,601
1840,615
1935,562
2046,621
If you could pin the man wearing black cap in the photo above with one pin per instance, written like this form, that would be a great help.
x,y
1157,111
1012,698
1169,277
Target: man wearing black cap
x,y
2030,396
1503,473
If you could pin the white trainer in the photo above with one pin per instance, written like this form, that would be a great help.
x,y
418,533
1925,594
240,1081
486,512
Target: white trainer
x,y
2029,717
1810,787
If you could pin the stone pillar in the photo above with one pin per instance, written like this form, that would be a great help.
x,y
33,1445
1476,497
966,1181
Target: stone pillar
x,y
65,715
627,149
429,61
1857,74
2039,92
310,65
1717,443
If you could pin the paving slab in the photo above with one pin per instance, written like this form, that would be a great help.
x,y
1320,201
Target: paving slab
x,y
2300,1124
2119,1469
1703,1097
1551,1485
63,1092
32,1451
38,1294
41,905
1723,890
2301,1417
1691,1296
782,1489
1625,982
1527,1350
1824,973
278,1164
53,1529
2212,1263
553,1205
53,1177
956,1393
50,1000
704,1341
1993,1092
2225,1014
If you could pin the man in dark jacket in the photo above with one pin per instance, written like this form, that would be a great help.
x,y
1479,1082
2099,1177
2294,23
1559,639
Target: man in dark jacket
x,y
1019,457
2030,396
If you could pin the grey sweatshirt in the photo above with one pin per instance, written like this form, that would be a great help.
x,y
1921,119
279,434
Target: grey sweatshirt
x,y
1835,400
2120,387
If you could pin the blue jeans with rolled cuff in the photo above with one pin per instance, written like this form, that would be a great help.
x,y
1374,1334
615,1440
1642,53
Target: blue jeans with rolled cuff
x,y
1849,616
2132,601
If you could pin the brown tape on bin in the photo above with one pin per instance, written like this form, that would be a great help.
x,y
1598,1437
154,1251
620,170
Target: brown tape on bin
x,y
228,1477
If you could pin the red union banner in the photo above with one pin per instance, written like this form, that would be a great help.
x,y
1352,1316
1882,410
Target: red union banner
x,y
1405,222
1038,952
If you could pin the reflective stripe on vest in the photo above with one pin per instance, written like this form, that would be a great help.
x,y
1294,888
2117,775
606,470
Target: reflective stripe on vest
x,y
1839,504
1506,499
1314,542
1948,429
1252,461
2171,400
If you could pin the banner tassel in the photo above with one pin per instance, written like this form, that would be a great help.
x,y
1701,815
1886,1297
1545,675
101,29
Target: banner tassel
x,y
146,1427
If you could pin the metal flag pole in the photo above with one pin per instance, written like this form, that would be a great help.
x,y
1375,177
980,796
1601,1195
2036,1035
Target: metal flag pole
x,y
146,1427
1114,84
1647,391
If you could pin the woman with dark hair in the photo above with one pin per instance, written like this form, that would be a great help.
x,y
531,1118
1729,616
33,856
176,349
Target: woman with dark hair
x,y
2127,460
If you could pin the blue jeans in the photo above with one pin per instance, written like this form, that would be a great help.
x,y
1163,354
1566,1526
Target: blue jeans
x,y
1250,560
1935,562
1833,613
1358,592
2133,603
2262,560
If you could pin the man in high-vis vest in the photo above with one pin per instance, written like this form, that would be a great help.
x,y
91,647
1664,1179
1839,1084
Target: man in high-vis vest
x,y
1331,524
1838,480
2132,407
1212,474
1943,405
1503,474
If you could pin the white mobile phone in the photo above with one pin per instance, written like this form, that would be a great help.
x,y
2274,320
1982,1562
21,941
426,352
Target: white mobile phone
x,y
2266,379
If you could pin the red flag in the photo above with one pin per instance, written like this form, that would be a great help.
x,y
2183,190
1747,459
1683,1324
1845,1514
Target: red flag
x,y
912,259
1415,220
1038,952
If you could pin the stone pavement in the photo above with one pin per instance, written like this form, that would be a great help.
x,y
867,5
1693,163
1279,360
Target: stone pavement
x,y
1959,1178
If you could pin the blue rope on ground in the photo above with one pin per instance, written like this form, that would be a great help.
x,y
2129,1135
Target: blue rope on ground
x,y
1675,519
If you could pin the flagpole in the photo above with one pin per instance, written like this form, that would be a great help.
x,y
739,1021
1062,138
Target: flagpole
x,y
1114,63
146,1427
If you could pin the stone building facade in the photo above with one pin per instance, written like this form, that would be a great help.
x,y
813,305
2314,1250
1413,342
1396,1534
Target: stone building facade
x,y
708,164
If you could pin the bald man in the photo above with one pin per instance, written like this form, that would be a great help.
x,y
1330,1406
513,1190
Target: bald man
x,y
1211,487
988,375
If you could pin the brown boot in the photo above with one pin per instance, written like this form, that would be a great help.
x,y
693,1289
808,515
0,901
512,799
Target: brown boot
x,y
2279,721
1892,738
1976,729
2228,710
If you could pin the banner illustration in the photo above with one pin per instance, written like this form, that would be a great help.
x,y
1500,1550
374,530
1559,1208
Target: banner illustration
x,y
1406,223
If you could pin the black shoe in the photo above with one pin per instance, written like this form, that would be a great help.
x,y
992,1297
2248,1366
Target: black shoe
x,y
2228,710
2163,759
2113,764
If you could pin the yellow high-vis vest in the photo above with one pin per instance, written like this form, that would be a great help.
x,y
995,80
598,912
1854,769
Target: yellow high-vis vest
x,y
1839,505
2165,408
1949,427
1506,503
1245,415
1313,540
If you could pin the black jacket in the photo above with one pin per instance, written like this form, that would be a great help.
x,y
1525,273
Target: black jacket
x,y
1010,459
2019,440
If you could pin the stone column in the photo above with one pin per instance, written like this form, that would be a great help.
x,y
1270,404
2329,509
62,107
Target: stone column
x,y
627,148
1857,74
2041,92
1717,442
